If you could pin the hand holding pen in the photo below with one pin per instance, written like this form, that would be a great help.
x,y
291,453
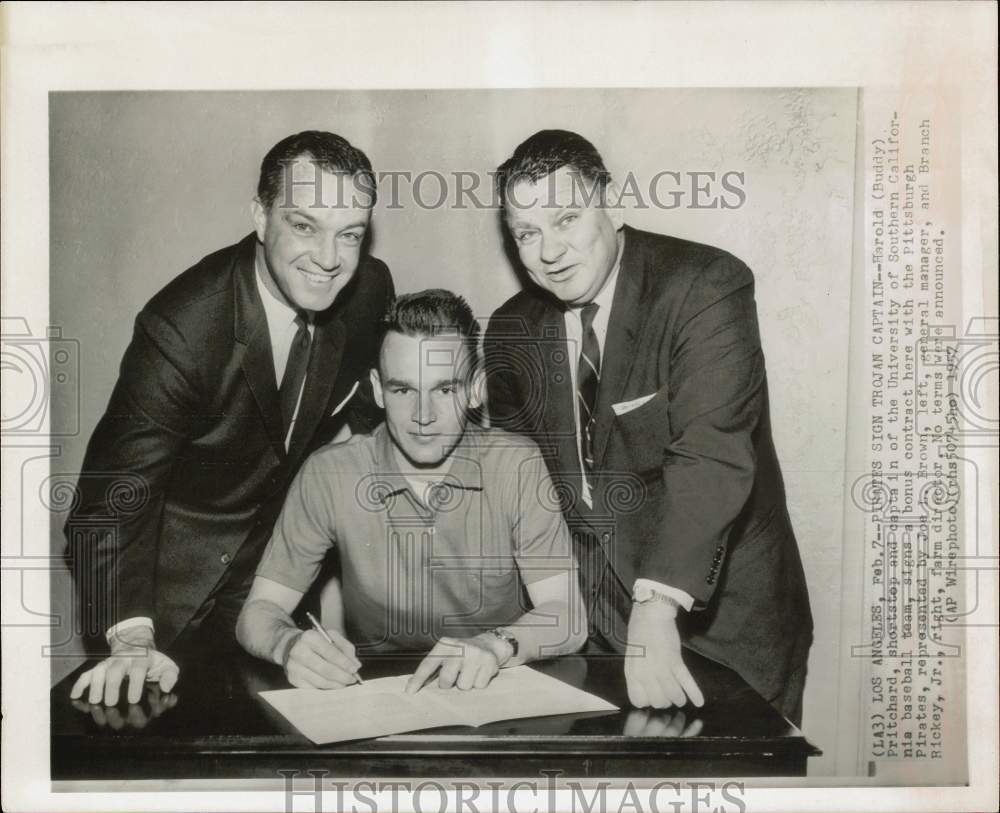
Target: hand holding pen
x,y
341,642
322,659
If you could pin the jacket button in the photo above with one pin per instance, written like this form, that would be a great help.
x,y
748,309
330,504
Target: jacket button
x,y
225,558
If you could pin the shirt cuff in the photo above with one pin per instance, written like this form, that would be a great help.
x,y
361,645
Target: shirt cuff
x,y
686,600
128,623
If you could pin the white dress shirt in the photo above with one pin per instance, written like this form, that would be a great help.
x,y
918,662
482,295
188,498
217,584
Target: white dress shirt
x,y
574,343
282,329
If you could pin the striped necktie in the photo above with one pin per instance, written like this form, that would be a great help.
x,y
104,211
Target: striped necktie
x,y
588,379
295,371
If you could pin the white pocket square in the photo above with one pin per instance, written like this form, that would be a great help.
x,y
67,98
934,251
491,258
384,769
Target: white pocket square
x,y
343,403
627,406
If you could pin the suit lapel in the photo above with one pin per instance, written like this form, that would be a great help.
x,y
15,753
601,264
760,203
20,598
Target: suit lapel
x,y
257,360
324,362
624,324
559,424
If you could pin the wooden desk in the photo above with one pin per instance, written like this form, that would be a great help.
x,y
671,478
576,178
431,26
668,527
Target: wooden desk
x,y
218,728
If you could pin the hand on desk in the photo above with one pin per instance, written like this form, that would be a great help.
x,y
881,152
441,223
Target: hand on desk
x,y
135,716
469,663
654,669
314,663
133,655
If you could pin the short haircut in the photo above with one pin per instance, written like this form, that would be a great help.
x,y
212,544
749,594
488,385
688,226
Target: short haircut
x,y
544,153
433,312
331,152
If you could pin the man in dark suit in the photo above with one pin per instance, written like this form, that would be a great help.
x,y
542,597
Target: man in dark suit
x,y
634,361
237,370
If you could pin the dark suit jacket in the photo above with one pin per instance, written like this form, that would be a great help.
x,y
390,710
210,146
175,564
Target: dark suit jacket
x,y
186,472
688,481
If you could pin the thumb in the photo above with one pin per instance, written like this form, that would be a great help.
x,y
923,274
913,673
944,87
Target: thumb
x,y
169,680
166,672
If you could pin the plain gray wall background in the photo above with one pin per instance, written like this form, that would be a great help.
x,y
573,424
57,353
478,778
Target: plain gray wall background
x,y
144,184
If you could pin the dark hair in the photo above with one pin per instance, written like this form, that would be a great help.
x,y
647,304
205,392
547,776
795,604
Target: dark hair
x,y
545,152
331,152
434,312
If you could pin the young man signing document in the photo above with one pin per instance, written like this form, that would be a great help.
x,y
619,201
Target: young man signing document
x,y
441,528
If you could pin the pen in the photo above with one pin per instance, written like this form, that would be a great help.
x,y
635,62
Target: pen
x,y
319,628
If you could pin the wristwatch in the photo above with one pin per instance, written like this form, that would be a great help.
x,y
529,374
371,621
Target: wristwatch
x,y
506,635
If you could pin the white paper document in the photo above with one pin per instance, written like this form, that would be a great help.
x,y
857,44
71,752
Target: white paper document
x,y
381,706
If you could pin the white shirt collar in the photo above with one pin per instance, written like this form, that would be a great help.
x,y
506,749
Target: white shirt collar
x,y
605,297
279,313
280,317
574,339
607,294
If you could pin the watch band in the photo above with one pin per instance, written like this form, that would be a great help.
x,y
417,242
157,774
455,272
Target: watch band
x,y
506,635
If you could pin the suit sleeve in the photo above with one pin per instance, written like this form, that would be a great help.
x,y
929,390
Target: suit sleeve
x,y
508,365
716,392
113,530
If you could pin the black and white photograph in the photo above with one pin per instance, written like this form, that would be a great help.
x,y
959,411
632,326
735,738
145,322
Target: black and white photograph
x,y
502,444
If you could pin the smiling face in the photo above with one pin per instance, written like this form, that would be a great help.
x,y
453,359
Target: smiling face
x,y
565,235
424,385
312,251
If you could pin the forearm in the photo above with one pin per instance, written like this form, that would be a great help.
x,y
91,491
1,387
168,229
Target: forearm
x,y
114,528
538,637
266,630
113,549
331,606
717,398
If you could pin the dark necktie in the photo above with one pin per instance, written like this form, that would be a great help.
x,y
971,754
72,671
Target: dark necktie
x,y
295,371
588,378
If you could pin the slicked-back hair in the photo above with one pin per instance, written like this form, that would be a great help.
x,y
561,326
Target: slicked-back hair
x,y
433,312
330,152
544,153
